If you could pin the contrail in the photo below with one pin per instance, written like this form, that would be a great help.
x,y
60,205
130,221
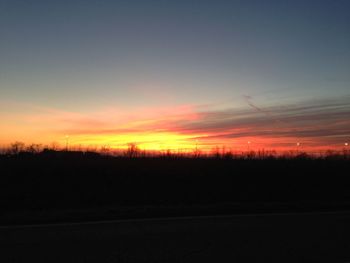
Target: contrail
x,y
251,104
248,99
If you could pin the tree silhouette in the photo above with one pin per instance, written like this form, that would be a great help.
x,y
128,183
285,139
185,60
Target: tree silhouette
x,y
16,147
132,151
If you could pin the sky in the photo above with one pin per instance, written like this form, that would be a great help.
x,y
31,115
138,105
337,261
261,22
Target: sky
x,y
176,74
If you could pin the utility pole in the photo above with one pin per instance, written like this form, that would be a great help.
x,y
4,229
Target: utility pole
x,y
67,141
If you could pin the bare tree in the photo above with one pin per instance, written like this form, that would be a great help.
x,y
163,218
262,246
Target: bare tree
x,y
105,150
197,152
54,146
33,148
16,147
132,150
216,152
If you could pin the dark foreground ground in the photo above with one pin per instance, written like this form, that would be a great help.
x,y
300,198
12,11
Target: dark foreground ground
x,y
56,187
55,207
310,237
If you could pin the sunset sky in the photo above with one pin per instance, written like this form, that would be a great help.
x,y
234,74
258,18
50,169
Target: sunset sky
x,y
176,74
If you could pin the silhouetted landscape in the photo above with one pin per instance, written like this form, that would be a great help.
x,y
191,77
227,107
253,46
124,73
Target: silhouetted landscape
x,y
69,186
174,131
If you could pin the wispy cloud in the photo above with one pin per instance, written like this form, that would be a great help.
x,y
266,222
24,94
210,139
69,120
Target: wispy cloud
x,y
317,123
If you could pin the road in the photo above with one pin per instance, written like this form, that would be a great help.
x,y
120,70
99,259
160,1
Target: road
x,y
307,237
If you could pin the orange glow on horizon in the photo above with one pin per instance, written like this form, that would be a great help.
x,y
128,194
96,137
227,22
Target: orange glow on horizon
x,y
185,143
160,129
175,142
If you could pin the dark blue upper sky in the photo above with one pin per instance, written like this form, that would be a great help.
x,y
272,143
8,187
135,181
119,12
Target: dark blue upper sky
x,y
194,51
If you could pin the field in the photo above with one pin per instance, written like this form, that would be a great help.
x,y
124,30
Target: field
x,y
75,186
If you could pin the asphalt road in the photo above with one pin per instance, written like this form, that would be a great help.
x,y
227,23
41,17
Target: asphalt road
x,y
308,237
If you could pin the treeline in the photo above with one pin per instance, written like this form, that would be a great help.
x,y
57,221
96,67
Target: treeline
x,y
133,151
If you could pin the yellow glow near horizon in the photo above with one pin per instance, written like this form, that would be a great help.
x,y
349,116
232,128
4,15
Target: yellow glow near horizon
x,y
145,141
